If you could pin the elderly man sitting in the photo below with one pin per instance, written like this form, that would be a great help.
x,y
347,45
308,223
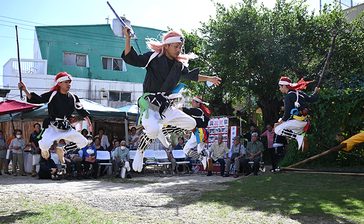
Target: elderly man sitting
x,y
121,159
236,156
218,152
254,151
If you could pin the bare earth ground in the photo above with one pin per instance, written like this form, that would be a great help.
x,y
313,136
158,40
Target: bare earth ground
x,y
143,199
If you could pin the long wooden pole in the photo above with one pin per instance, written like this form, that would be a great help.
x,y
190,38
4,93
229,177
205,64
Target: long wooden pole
x,y
314,157
19,67
329,55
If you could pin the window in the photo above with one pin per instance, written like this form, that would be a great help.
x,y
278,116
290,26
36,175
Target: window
x,y
119,96
116,64
74,59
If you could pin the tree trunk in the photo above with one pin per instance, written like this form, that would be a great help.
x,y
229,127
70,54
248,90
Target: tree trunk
x,y
270,109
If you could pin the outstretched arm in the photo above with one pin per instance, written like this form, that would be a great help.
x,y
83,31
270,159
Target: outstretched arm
x,y
214,79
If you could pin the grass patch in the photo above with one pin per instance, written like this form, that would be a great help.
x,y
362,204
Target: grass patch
x,y
33,211
296,195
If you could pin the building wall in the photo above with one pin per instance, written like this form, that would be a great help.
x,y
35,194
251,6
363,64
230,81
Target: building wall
x,y
37,80
95,41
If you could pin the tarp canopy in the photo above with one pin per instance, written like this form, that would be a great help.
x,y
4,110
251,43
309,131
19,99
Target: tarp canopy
x,y
97,111
131,111
14,106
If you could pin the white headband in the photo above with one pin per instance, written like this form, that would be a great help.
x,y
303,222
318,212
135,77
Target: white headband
x,y
63,78
199,101
171,40
284,83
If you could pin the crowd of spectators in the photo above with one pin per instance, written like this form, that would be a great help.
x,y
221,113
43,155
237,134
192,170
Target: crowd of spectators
x,y
244,156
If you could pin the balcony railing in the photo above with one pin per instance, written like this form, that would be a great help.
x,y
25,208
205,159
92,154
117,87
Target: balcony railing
x,y
28,66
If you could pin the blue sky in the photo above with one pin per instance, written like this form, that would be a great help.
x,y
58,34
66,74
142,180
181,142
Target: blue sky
x,y
186,14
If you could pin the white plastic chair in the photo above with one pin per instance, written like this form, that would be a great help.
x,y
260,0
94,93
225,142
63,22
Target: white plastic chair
x,y
105,156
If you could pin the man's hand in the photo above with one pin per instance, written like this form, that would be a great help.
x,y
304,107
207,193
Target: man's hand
x,y
126,32
317,90
215,80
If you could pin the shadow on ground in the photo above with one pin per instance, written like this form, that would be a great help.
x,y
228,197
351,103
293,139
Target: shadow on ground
x,y
15,216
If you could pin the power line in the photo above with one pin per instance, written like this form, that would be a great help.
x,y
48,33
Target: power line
x,y
27,21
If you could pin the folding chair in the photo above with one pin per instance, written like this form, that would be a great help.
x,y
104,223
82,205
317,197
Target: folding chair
x,y
181,157
162,158
105,157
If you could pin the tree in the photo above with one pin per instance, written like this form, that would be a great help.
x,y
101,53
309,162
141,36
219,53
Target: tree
x,y
250,47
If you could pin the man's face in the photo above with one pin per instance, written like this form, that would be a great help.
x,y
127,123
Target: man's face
x,y
65,86
173,50
236,141
269,128
283,89
195,104
254,138
219,139
37,128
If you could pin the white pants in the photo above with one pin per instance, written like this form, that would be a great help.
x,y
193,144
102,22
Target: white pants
x,y
172,116
125,168
293,125
52,134
191,143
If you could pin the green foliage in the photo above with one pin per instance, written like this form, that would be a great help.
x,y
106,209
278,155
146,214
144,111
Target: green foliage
x,y
338,112
250,47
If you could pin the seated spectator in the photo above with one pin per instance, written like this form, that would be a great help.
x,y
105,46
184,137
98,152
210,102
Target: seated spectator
x,y
218,153
73,161
181,144
121,160
88,155
236,156
254,151
104,140
47,169
17,146
84,132
97,144
133,139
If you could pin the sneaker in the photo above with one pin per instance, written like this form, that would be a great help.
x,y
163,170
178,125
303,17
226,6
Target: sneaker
x,y
299,139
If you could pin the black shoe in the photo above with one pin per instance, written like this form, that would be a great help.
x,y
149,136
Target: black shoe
x,y
227,175
128,176
209,174
1,173
8,173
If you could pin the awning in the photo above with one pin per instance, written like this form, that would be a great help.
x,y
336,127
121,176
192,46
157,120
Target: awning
x,y
14,106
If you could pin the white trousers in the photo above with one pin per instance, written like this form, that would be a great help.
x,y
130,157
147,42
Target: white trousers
x,y
52,134
293,125
192,143
172,116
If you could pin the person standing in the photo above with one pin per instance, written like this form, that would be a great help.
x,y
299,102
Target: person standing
x,y
3,149
33,140
17,146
